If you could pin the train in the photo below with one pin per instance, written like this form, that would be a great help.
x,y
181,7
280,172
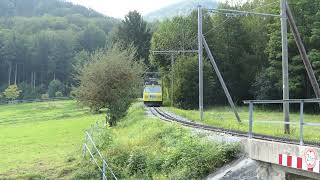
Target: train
x,y
152,92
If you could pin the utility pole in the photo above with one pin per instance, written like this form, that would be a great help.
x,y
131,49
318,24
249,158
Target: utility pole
x,y
285,74
200,51
303,53
172,78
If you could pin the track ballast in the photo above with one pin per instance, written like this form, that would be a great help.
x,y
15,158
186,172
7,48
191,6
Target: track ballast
x,y
163,115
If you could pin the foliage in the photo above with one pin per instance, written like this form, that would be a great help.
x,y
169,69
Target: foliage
x,y
92,38
39,40
45,96
238,62
29,92
307,21
12,92
110,80
146,148
54,87
134,30
186,92
58,94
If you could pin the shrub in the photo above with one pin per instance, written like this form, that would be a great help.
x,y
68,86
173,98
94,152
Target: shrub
x,y
110,80
54,87
58,94
137,162
45,96
12,92
29,92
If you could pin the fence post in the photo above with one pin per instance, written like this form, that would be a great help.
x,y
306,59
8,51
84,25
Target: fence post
x,y
85,144
250,118
301,123
104,176
92,131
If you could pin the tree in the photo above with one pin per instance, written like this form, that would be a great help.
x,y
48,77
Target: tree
x,y
92,38
12,92
54,87
186,91
110,80
133,30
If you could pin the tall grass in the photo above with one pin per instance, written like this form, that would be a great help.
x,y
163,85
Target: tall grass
x,y
143,147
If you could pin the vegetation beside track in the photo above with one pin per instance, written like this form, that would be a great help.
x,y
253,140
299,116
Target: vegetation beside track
x,y
144,147
223,117
42,139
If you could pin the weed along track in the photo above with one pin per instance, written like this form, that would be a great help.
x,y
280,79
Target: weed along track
x,y
164,115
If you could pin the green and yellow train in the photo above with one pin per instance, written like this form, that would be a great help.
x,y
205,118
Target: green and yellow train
x,y
152,95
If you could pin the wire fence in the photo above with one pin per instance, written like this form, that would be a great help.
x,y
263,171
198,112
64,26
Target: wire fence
x,y
96,157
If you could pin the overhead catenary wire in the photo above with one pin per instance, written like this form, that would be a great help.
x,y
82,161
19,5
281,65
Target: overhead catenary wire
x,y
217,28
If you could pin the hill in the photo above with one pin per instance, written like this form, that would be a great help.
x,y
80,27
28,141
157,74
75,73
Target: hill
x,y
39,41
181,8
39,8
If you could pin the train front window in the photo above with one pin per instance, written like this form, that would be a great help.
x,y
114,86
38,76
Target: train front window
x,y
155,89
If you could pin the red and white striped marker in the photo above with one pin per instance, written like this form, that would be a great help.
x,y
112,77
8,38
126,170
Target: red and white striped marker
x,y
308,163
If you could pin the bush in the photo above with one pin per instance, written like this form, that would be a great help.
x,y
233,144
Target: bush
x,y
29,92
54,87
111,80
12,92
45,96
58,94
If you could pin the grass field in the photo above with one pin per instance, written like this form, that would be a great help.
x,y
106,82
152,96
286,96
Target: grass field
x,y
224,117
43,138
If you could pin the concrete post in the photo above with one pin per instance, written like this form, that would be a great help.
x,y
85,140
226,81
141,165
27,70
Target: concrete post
x,y
200,51
285,73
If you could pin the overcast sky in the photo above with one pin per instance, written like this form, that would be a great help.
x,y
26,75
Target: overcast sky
x,y
119,8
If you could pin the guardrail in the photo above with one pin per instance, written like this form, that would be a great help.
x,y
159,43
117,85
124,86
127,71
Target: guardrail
x,y
302,122
104,168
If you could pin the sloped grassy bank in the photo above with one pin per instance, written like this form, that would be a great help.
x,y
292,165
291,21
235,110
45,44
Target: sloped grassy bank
x,y
143,147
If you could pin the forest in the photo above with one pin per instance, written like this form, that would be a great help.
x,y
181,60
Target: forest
x,y
43,43
247,50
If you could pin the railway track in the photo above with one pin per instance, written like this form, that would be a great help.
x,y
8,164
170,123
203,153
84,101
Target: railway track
x,y
163,115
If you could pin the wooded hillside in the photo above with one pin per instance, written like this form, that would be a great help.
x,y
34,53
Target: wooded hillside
x,y
40,41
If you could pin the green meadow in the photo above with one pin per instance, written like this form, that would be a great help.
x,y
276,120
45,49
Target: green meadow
x,y
42,139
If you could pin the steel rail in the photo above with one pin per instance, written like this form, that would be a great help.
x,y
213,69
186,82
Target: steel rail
x,y
169,118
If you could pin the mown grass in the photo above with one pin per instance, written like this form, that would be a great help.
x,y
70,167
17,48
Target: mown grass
x,y
43,139
224,117
144,147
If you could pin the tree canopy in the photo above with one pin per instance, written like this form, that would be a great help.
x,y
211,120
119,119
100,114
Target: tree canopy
x,y
40,40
